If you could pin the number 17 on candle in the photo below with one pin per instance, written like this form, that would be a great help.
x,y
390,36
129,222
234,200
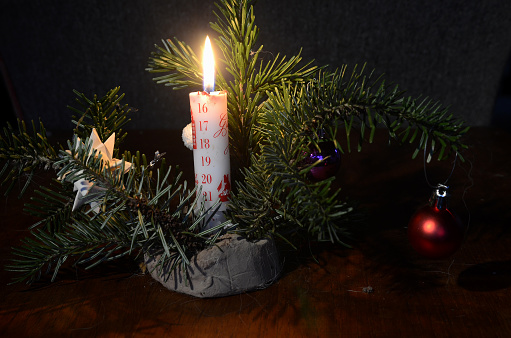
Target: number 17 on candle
x,y
211,141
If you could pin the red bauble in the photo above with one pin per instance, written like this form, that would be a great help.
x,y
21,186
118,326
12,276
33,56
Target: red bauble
x,y
331,164
435,232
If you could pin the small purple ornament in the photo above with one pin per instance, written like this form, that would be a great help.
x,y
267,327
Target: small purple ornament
x,y
329,166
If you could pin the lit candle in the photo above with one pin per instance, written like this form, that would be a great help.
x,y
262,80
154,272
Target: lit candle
x,y
211,140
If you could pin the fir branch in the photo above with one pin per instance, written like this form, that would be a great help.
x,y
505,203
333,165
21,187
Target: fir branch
x,y
53,205
22,154
129,223
140,213
145,210
366,102
252,76
105,114
276,196
180,62
87,240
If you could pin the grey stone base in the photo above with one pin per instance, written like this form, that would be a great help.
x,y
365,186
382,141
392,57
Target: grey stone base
x,y
234,266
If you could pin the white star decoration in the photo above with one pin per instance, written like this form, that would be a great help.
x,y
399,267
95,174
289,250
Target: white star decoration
x,y
84,187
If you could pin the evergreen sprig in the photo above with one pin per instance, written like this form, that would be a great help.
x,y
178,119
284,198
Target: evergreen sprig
x,y
252,75
179,62
53,205
22,153
360,102
278,197
140,213
105,114
146,210
87,240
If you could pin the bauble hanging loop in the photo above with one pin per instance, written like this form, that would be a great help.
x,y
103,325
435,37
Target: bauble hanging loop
x,y
434,231
440,197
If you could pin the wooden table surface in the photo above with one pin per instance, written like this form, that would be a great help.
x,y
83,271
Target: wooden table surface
x,y
466,295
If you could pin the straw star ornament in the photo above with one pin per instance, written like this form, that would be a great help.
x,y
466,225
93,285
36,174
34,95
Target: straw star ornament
x,y
87,190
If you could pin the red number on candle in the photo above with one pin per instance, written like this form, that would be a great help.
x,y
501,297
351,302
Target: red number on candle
x,y
206,179
203,108
203,124
206,160
207,196
204,143
196,180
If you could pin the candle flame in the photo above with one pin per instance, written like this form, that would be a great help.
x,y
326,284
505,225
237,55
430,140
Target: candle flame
x,y
208,67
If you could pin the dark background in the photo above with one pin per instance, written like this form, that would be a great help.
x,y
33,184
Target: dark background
x,y
452,51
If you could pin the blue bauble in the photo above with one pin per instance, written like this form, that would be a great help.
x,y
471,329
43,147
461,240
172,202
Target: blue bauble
x,y
331,164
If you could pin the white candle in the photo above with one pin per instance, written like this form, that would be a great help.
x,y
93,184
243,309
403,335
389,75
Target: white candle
x,y
211,141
